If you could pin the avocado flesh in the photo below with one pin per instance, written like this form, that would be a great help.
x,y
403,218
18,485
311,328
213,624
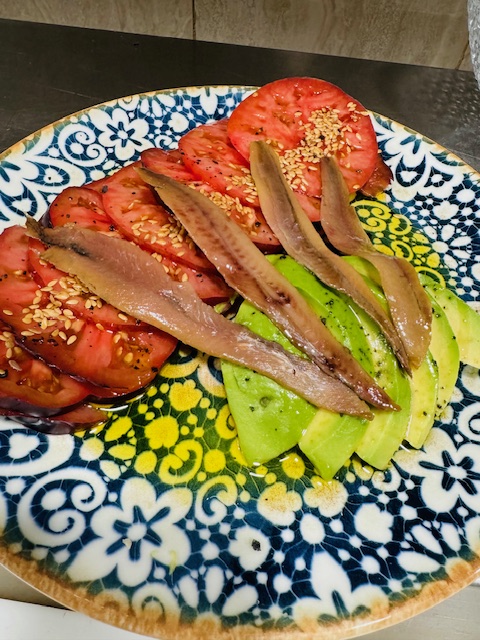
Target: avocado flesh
x,y
464,321
424,384
443,372
269,419
330,439
385,433
445,352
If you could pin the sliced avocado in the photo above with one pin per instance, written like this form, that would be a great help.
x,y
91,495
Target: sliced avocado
x,y
464,321
269,419
330,440
431,379
364,268
385,433
445,351
424,384
330,306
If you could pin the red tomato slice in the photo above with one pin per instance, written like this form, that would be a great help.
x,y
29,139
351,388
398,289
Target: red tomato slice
x,y
305,119
119,361
167,162
98,185
248,216
132,206
209,154
379,180
310,204
79,418
72,208
28,385
82,206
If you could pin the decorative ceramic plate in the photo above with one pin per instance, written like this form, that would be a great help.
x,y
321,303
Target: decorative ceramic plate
x,y
153,523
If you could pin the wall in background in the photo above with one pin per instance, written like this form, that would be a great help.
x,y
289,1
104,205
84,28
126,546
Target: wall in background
x,y
431,32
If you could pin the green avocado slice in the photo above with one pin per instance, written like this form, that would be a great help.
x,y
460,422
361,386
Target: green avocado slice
x,y
424,383
463,319
330,439
385,433
445,351
271,420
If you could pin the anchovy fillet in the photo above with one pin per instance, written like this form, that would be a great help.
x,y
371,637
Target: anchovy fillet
x,y
408,302
136,283
302,241
246,270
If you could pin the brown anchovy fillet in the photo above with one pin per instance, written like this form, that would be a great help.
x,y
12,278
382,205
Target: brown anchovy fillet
x,y
409,304
130,279
247,271
301,240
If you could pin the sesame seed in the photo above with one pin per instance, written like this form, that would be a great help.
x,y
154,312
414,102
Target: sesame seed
x,y
7,312
71,339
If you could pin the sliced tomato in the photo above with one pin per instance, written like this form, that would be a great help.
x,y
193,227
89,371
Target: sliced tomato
x,y
379,180
305,119
115,361
209,154
81,417
209,286
167,162
28,385
247,215
310,204
79,205
74,295
132,206
98,185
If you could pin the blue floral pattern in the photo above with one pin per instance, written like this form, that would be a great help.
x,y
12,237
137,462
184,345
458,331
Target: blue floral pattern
x,y
201,536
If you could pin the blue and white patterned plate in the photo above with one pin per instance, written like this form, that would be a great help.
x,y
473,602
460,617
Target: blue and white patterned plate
x,y
154,524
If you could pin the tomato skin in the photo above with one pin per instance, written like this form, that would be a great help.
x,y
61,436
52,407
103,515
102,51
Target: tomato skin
x,y
113,361
379,180
287,112
82,206
246,214
211,288
82,417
